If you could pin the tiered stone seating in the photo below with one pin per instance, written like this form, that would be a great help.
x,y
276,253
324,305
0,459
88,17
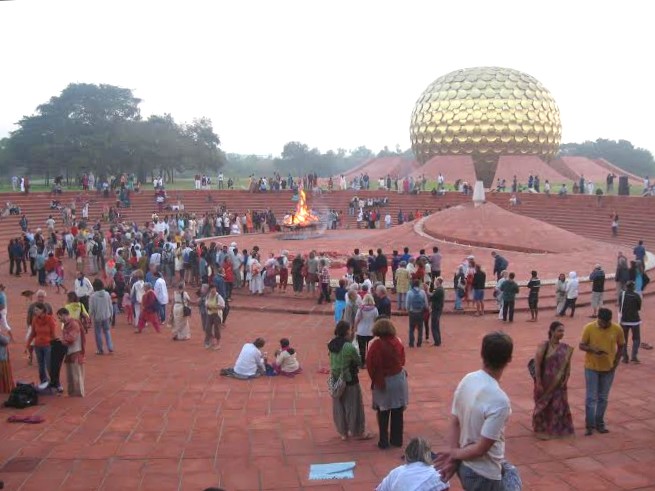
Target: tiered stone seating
x,y
577,213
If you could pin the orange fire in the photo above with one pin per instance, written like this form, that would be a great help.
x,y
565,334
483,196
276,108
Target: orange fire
x,y
303,215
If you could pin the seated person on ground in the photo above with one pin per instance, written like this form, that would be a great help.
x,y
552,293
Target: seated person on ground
x,y
285,359
251,362
418,473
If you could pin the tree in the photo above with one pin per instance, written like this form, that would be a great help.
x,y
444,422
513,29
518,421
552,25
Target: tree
x,y
621,153
99,128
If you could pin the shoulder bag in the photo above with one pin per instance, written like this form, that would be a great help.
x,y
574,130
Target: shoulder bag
x,y
186,310
337,386
621,307
532,369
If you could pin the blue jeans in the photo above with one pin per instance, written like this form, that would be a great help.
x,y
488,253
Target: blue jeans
x,y
101,328
415,322
401,300
598,385
43,358
458,301
471,481
636,341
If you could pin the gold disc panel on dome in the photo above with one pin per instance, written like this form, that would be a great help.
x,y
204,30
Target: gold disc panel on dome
x,y
485,112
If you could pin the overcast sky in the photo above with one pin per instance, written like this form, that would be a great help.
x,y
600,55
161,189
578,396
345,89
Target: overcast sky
x,y
328,73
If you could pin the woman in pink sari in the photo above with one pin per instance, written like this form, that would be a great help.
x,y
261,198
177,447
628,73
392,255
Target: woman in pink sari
x,y
552,414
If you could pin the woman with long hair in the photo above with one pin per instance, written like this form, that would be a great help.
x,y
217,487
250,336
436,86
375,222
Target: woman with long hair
x,y
364,320
552,414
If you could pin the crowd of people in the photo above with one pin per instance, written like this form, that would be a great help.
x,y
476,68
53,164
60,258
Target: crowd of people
x,y
127,269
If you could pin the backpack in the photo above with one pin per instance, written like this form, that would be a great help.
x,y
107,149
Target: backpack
x,y
417,303
22,396
185,256
96,249
167,254
280,260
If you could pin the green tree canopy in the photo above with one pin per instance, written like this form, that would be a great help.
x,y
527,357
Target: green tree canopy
x,y
621,153
99,128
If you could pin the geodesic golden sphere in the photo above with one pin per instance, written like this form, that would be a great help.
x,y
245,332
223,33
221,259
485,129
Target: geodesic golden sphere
x,y
485,112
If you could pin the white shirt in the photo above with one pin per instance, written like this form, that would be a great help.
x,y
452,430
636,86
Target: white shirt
x,y
138,290
249,361
85,289
160,227
572,288
416,476
161,292
482,409
155,259
387,219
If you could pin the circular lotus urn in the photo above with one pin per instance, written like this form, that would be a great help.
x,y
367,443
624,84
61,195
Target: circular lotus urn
x,y
485,112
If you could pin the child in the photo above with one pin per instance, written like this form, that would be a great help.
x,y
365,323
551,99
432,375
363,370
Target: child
x,y
325,282
127,307
59,280
285,360
114,306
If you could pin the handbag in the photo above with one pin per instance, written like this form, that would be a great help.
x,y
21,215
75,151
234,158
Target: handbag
x,y
186,310
336,387
532,369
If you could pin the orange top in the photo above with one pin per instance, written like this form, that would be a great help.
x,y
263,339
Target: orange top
x,y
43,330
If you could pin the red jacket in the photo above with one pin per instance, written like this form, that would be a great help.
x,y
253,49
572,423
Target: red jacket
x,y
149,301
44,330
229,272
385,357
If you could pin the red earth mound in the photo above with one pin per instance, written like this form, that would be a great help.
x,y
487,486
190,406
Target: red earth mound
x,y
467,224
380,167
452,167
523,166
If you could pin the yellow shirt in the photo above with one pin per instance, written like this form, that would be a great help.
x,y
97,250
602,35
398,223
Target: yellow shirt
x,y
603,339
75,309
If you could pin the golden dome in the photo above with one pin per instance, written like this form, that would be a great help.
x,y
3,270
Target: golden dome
x,y
485,112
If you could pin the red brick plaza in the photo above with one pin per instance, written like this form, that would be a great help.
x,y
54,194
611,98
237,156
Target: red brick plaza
x,y
157,416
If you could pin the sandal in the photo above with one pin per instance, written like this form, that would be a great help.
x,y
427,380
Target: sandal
x,y
645,346
365,436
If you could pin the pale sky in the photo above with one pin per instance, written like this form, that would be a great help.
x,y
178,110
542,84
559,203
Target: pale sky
x,y
328,73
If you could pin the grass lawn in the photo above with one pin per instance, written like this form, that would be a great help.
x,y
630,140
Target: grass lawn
x,y
242,183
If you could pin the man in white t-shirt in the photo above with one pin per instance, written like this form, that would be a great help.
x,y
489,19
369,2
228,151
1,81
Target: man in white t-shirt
x,y
251,362
479,414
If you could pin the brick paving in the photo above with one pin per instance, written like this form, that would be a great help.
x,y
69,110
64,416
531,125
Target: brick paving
x,y
157,415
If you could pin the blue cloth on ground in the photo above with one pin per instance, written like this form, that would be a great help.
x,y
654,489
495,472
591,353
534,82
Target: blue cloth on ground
x,y
337,470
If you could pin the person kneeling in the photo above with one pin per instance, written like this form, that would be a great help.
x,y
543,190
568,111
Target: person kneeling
x,y
285,360
251,362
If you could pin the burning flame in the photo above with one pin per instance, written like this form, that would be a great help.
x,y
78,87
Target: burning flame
x,y
303,215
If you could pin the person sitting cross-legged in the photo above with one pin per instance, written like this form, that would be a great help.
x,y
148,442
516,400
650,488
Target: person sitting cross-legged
x,y
251,362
